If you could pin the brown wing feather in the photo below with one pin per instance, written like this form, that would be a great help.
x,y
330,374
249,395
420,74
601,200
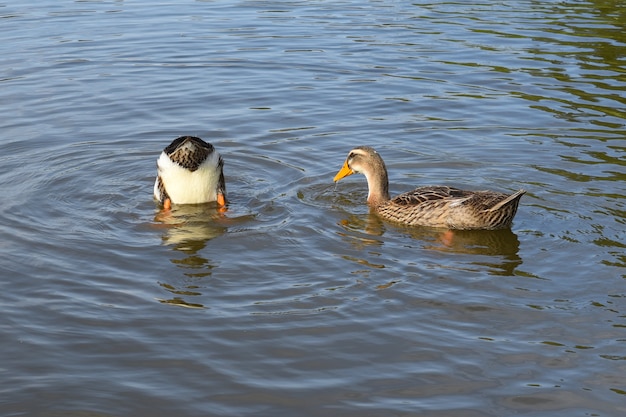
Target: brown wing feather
x,y
431,193
442,206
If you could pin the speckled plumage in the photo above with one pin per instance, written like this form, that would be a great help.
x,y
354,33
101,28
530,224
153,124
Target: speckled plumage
x,y
189,171
434,206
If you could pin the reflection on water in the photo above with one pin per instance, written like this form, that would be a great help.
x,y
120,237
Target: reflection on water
x,y
187,229
496,249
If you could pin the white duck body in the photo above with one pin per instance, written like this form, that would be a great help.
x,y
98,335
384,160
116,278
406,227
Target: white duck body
x,y
189,171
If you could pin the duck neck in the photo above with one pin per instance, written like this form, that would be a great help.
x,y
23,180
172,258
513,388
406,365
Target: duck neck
x,y
378,185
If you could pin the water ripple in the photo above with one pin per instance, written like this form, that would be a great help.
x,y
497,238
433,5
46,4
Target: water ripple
x,y
297,300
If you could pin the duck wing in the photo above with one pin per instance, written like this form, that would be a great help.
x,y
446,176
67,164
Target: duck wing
x,y
432,194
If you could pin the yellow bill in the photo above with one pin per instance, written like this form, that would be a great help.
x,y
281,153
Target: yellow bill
x,y
343,172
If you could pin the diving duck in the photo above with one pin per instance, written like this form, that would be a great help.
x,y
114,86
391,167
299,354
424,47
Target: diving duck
x,y
190,171
433,206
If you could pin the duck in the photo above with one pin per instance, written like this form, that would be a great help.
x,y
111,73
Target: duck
x,y
190,171
432,206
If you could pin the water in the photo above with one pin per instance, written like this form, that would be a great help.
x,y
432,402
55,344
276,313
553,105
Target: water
x,y
297,301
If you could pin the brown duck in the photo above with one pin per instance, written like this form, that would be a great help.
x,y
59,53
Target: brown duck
x,y
434,206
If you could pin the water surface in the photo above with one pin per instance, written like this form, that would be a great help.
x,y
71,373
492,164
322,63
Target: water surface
x,y
297,301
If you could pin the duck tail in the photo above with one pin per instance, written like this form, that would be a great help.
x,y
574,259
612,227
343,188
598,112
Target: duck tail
x,y
512,199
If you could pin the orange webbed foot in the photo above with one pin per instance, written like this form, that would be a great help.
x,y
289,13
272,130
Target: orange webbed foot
x,y
221,203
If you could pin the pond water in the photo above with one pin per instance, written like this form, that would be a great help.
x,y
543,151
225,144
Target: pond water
x,y
297,301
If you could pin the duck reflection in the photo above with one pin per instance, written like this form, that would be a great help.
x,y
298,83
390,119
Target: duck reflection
x,y
496,249
187,229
